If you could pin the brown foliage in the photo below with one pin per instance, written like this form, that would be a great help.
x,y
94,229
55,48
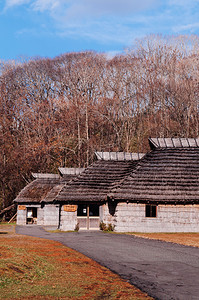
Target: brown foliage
x,y
58,111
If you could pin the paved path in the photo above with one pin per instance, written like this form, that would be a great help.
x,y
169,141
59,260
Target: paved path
x,y
163,270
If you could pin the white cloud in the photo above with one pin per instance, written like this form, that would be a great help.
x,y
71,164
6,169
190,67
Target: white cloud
x,y
42,5
104,7
114,21
104,32
87,7
10,3
184,16
102,20
73,14
183,4
188,27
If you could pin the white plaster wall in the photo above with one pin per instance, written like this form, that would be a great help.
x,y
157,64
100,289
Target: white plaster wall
x,y
101,213
40,215
51,215
131,218
21,215
105,216
68,220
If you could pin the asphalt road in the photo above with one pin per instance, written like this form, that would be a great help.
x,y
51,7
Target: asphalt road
x,y
163,270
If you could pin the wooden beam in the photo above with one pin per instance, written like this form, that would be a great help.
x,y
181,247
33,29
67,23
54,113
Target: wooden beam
x,y
6,209
12,218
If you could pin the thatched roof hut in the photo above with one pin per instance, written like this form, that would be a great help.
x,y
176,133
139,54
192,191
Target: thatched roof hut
x,y
169,174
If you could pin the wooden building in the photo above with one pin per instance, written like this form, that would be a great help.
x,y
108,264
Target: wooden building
x,y
162,192
156,192
35,201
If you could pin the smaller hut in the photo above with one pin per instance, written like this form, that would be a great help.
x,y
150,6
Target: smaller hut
x,y
35,201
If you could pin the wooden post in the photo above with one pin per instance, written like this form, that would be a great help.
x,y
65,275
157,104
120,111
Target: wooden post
x,y
12,218
87,220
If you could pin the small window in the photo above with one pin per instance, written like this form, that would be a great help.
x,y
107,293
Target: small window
x,y
82,210
94,210
151,211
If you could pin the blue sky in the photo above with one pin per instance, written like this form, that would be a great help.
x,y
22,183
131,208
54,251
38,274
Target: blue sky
x,y
48,28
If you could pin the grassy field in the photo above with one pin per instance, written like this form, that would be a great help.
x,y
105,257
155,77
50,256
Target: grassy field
x,y
189,239
32,268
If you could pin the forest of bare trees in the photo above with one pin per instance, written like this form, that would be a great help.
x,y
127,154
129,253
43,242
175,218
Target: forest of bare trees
x,y
57,112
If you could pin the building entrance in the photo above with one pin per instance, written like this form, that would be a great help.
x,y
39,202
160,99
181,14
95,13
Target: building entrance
x,y
31,215
88,216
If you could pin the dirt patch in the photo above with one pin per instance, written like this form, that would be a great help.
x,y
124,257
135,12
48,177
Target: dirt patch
x,y
16,269
6,228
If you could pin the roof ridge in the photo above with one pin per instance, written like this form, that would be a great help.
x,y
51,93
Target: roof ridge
x,y
118,155
173,142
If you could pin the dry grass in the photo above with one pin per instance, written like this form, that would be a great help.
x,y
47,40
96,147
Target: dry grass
x,y
189,239
32,268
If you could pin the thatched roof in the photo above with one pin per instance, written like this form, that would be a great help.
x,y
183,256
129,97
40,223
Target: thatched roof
x,y
37,190
45,187
96,181
50,197
165,175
